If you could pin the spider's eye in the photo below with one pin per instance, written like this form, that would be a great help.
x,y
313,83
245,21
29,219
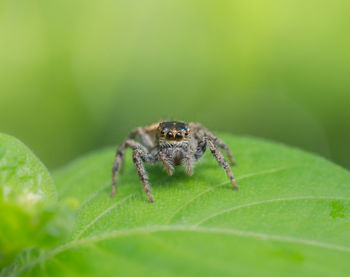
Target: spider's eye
x,y
163,131
185,131
179,136
169,135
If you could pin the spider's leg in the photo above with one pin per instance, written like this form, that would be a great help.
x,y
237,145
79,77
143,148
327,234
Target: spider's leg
x,y
119,159
189,165
202,131
167,163
138,155
222,162
116,166
121,168
224,146
145,138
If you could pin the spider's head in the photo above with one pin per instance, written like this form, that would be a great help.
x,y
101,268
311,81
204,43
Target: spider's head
x,y
173,131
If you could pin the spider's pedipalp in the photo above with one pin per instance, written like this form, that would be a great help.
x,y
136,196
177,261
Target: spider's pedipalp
x,y
167,164
189,165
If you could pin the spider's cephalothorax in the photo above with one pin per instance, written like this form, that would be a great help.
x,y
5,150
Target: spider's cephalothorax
x,y
172,143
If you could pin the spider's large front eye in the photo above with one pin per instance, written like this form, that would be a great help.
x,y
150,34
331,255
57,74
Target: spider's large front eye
x,y
179,136
169,135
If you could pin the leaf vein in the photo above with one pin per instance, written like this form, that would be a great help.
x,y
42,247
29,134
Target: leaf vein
x,y
102,214
249,175
193,228
268,201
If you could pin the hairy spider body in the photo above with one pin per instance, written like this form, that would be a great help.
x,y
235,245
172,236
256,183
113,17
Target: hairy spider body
x,y
173,143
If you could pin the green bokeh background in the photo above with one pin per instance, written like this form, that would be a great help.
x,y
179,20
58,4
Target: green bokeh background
x,y
78,75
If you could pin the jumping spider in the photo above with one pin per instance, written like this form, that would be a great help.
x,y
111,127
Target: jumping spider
x,y
172,143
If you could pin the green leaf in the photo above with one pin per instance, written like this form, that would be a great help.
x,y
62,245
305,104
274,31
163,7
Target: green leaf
x,y
291,217
29,216
23,178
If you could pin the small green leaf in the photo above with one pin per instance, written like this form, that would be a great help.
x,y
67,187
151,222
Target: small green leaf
x,y
29,216
291,217
23,178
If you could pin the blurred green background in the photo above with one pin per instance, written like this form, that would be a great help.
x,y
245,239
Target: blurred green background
x,y
78,75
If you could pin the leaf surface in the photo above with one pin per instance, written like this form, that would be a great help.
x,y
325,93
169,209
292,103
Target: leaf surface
x,y
289,218
28,215
23,178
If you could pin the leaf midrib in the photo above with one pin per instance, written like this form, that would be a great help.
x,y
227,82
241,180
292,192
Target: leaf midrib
x,y
179,228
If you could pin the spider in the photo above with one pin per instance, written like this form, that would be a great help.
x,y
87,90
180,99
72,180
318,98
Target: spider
x,y
172,143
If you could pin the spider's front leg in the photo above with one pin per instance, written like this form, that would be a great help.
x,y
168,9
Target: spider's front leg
x,y
224,146
222,162
140,153
205,132
145,138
